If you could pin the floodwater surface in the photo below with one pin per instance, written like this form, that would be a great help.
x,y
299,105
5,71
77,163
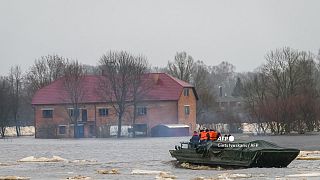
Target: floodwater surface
x,y
86,156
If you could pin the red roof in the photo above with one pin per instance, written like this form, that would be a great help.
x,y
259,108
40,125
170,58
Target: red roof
x,y
164,87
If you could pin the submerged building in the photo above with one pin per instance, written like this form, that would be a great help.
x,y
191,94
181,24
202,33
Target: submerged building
x,y
168,101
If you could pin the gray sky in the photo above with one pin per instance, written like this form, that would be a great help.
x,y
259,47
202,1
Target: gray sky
x,y
240,32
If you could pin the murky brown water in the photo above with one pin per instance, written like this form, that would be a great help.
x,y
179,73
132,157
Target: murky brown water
x,y
127,155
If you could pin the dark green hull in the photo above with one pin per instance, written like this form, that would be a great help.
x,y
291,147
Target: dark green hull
x,y
267,155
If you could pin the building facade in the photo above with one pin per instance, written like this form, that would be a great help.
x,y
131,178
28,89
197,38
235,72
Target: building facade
x,y
168,101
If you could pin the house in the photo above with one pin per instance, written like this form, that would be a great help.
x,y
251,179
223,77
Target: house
x,y
230,103
168,101
230,113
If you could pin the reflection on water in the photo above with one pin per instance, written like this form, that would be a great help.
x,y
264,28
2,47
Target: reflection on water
x,y
85,157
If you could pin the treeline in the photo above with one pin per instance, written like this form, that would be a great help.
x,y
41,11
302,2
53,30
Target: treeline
x,y
12,98
282,95
207,80
122,80
17,89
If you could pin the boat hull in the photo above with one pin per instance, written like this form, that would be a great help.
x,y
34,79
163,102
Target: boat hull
x,y
237,157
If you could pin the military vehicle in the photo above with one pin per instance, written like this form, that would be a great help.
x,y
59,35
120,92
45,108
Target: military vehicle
x,y
257,153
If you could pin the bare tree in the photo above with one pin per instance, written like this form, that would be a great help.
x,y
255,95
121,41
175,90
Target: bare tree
x,y
205,90
237,90
305,102
317,86
254,93
285,79
45,70
74,74
15,79
285,93
5,104
141,83
223,75
91,70
181,67
205,79
122,83
157,69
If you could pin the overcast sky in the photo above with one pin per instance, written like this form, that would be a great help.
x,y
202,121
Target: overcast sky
x,y
240,32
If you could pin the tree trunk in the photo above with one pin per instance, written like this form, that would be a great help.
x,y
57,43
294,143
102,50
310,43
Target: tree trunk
x,y
75,134
75,131
17,125
3,131
134,118
18,130
119,125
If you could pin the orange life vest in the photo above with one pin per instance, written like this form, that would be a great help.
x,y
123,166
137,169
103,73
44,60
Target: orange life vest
x,y
213,135
203,135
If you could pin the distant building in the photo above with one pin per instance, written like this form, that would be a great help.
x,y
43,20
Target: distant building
x,y
229,112
169,101
230,103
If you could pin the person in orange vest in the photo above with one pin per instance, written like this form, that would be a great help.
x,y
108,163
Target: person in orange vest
x,y
213,135
207,135
203,136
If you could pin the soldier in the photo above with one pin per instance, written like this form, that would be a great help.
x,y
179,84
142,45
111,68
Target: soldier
x,y
207,135
213,135
203,136
194,141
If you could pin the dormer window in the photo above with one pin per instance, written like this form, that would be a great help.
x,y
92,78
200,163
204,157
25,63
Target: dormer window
x,y
186,91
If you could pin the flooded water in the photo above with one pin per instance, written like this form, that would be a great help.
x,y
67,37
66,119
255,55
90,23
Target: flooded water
x,y
126,155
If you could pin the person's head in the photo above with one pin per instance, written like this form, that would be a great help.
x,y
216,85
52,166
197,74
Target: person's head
x,y
211,130
207,130
201,130
195,132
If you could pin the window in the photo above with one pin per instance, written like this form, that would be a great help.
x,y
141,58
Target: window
x,y
62,129
103,112
47,113
72,112
142,111
186,91
186,110
84,115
